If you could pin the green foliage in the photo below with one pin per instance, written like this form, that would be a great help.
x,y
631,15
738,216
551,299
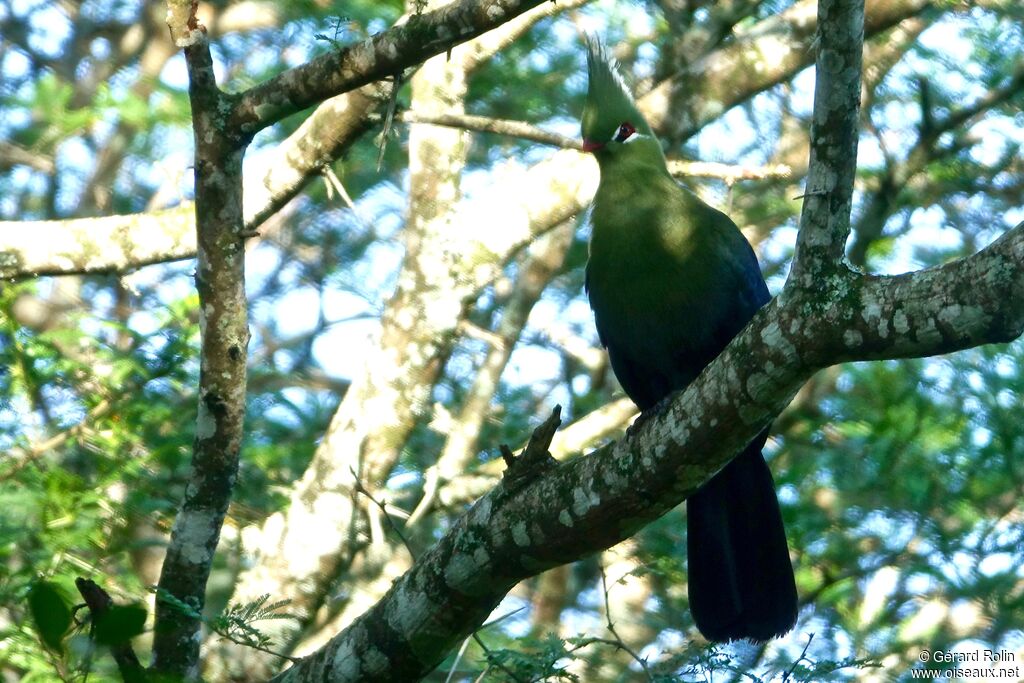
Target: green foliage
x,y
51,613
120,623
538,660
551,659
180,606
236,623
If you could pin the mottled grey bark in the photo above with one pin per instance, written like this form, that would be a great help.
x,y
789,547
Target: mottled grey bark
x,y
828,195
224,338
95,245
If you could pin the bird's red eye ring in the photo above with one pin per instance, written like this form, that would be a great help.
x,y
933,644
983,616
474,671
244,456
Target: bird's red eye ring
x,y
626,129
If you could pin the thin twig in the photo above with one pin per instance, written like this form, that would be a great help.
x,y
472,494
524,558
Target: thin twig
x,y
431,484
359,488
389,118
256,646
26,456
491,662
525,131
802,657
591,640
611,627
465,643
334,182
476,637
458,658
486,124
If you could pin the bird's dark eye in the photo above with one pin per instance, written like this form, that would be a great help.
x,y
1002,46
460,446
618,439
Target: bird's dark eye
x,y
625,130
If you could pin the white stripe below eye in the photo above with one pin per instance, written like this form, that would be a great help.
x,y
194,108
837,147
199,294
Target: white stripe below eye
x,y
634,137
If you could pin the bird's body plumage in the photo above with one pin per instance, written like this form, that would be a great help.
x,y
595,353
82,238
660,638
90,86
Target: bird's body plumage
x,y
656,293
671,281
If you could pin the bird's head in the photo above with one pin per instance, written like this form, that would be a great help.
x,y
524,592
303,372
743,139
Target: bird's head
x,y
612,124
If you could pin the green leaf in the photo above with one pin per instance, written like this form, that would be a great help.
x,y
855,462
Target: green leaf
x,y
51,614
120,623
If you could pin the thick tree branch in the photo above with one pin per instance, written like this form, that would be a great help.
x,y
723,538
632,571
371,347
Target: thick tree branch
x,y
95,245
955,306
385,54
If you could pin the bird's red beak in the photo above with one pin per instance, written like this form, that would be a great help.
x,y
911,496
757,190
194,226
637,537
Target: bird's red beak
x,y
592,146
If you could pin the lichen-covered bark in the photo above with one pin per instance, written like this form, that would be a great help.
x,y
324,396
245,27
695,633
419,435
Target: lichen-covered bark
x,y
955,306
220,281
828,196
95,245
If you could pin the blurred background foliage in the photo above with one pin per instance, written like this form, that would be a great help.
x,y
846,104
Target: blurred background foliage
x,y
901,481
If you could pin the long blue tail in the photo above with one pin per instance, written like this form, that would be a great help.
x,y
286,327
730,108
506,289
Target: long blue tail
x,y
741,581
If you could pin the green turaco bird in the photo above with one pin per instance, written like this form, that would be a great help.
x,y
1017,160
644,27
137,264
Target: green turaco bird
x,y
672,281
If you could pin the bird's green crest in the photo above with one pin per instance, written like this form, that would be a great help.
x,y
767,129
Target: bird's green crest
x,y
609,103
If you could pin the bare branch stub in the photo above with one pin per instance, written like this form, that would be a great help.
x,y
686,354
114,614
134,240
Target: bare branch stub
x,y
535,458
